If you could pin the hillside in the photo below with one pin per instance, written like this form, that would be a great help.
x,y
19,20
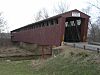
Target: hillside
x,y
70,62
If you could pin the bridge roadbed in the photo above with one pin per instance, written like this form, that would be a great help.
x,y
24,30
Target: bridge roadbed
x,y
84,46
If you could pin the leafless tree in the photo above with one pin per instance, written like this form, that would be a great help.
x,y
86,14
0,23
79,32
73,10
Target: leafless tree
x,y
38,16
3,30
94,27
42,14
87,10
95,32
3,24
96,4
61,7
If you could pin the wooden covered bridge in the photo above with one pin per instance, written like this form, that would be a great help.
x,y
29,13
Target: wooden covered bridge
x,y
71,26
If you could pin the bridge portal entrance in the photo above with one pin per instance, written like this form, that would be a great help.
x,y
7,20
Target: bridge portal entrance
x,y
73,29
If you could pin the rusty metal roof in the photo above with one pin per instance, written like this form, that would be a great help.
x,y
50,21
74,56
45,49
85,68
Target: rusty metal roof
x,y
53,17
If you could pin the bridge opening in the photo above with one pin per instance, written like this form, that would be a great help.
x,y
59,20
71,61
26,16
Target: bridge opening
x,y
73,29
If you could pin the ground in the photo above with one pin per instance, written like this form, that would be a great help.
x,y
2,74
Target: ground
x,y
70,62
13,51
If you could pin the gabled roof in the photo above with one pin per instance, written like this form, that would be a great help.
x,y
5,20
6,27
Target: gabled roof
x,y
75,10
69,13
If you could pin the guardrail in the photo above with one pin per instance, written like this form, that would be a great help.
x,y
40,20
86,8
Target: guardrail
x,y
94,43
84,46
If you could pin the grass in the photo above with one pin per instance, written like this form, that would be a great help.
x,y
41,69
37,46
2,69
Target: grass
x,y
70,62
15,68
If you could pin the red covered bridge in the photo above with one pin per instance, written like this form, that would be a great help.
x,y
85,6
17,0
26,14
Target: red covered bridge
x,y
70,26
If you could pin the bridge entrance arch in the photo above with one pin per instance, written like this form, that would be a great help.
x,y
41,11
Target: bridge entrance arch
x,y
73,29
75,26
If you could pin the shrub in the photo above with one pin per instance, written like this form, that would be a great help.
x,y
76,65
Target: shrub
x,y
83,54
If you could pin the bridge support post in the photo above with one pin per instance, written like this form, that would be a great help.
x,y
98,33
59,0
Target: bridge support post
x,y
98,50
74,45
51,50
84,47
42,52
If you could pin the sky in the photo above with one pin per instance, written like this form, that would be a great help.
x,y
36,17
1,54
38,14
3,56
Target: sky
x,y
19,13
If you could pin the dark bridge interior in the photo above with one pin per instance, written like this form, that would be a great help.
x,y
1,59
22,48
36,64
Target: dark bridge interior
x,y
72,29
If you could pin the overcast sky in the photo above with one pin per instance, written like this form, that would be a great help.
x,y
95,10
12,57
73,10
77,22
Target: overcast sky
x,y
19,13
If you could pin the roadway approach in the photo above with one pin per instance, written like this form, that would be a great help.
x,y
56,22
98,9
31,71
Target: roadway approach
x,y
84,45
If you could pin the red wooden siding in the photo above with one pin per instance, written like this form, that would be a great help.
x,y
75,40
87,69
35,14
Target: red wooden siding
x,y
43,36
53,34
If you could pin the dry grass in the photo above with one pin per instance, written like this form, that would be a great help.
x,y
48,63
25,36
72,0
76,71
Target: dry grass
x,y
12,51
72,61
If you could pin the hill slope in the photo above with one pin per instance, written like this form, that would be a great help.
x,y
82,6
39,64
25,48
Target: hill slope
x,y
71,62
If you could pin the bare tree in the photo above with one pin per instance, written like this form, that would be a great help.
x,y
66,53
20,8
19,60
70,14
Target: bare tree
x,y
95,32
38,16
96,4
3,29
87,10
3,24
61,7
94,27
42,14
